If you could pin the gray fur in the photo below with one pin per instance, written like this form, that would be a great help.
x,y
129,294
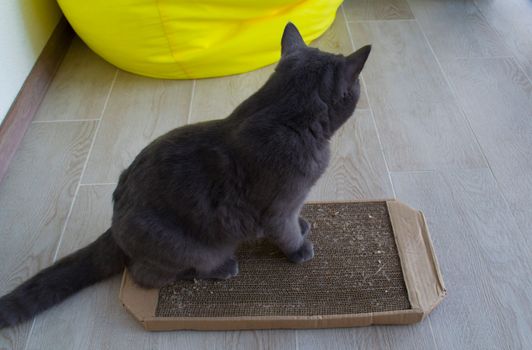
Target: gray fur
x,y
194,194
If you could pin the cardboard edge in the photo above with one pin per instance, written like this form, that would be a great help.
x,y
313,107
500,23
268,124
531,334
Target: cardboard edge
x,y
401,317
383,200
423,280
442,291
139,302
283,322
142,304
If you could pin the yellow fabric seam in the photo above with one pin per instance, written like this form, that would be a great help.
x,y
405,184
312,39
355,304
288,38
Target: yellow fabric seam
x,y
168,41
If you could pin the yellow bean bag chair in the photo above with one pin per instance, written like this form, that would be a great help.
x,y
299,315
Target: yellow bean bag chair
x,y
180,39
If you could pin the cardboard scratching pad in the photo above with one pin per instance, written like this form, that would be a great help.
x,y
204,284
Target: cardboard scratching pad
x,y
374,264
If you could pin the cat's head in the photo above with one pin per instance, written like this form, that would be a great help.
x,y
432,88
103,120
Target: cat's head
x,y
329,79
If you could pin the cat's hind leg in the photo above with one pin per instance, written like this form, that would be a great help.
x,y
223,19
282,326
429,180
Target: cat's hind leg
x,y
149,276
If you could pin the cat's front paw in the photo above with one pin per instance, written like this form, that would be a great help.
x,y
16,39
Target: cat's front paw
x,y
305,227
305,253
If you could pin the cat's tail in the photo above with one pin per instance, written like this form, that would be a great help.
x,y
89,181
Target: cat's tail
x,y
97,261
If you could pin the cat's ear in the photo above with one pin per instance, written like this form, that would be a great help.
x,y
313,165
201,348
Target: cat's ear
x,y
356,61
291,40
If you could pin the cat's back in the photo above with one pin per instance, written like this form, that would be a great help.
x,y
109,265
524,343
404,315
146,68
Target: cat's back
x,y
184,157
183,143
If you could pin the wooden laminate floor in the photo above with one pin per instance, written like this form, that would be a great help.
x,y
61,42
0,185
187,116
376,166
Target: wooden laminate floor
x,y
444,124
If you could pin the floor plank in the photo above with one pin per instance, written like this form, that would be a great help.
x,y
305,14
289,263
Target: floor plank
x,y
457,29
484,259
94,319
418,119
79,88
361,10
338,339
497,99
357,169
336,38
139,110
512,19
35,197
416,336
216,98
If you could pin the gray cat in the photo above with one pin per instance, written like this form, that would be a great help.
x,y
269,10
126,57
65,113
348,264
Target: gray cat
x,y
194,194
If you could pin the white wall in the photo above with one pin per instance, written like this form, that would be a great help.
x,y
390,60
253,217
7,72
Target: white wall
x,y
25,27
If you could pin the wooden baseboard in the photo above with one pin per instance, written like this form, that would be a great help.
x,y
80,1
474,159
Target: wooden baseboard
x,y
29,98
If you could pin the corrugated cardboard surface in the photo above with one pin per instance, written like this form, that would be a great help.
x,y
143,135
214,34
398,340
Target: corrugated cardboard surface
x,y
355,269
421,273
